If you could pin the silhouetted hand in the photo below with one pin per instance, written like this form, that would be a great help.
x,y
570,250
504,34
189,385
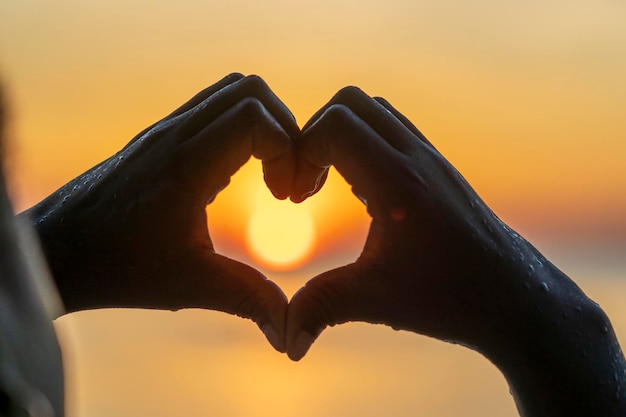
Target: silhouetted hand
x,y
132,231
437,261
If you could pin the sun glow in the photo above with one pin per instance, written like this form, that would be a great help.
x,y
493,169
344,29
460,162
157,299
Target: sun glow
x,y
280,235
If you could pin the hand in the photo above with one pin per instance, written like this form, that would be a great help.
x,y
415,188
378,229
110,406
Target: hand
x,y
437,261
132,231
436,257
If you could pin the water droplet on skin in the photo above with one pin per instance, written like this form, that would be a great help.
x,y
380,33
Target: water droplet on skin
x,y
544,287
472,204
527,285
578,309
605,329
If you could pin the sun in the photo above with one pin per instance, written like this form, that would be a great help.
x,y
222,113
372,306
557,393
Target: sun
x,y
280,234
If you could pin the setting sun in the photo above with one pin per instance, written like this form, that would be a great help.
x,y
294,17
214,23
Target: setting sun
x,y
280,235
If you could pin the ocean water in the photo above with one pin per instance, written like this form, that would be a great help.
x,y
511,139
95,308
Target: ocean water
x,y
198,363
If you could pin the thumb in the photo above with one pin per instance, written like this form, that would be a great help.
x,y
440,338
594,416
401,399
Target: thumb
x,y
331,298
219,283
246,292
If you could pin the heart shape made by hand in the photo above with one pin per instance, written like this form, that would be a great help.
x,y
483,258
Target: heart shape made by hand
x,y
132,231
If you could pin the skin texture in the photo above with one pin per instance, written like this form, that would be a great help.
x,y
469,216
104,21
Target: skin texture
x,y
132,231
437,261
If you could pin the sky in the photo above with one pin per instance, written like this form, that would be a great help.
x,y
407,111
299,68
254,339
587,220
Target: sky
x,y
526,99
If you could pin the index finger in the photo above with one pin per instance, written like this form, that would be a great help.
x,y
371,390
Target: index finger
x,y
379,174
193,102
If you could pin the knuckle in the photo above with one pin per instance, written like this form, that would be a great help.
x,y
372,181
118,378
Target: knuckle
x,y
249,112
381,100
251,106
249,306
255,83
331,306
234,76
349,94
337,115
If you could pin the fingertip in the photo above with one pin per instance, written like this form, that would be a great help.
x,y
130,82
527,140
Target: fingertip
x,y
308,180
297,199
300,346
274,337
279,175
234,76
280,196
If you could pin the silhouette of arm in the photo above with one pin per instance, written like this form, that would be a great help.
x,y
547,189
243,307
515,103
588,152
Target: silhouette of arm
x,y
132,231
437,261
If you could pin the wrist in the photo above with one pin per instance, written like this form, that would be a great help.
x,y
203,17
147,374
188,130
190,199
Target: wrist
x,y
561,357
57,245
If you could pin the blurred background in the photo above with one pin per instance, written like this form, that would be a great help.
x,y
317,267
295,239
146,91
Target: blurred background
x,y
526,99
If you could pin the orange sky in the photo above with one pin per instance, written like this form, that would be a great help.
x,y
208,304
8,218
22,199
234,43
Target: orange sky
x,y
526,99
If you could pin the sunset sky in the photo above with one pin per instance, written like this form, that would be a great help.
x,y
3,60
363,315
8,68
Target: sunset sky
x,y
526,99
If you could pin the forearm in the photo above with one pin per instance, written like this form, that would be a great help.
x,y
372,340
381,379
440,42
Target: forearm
x,y
57,245
564,360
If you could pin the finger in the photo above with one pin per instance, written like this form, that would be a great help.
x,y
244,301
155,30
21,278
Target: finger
x,y
378,173
380,119
403,119
251,86
197,99
206,93
247,293
308,180
334,297
212,156
219,283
